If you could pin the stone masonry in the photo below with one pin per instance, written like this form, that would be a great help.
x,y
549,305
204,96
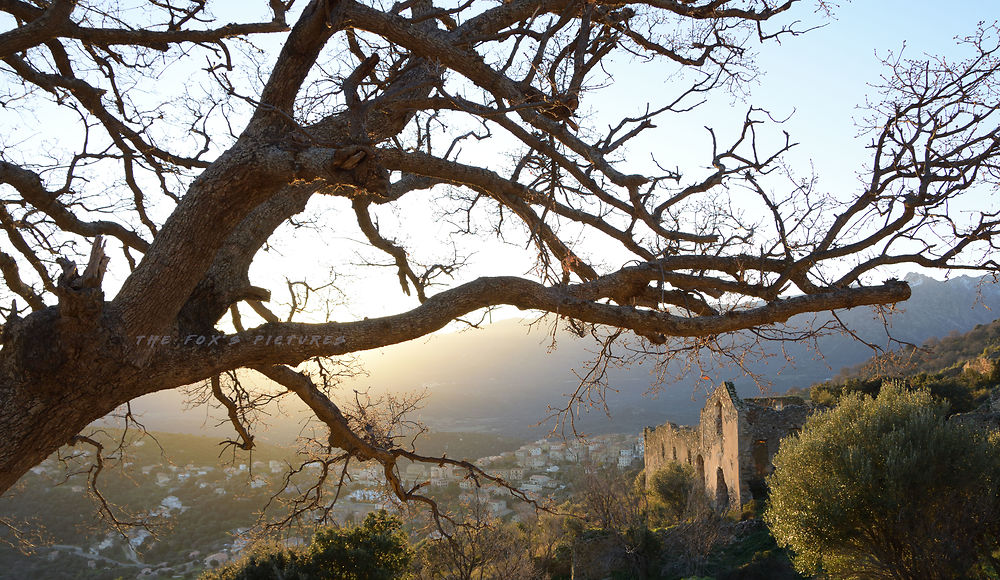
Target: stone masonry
x,y
732,446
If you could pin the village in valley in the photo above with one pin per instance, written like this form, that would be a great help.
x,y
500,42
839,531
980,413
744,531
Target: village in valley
x,y
200,514
202,511
190,504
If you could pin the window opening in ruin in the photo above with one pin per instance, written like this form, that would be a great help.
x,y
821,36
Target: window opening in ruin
x,y
700,468
689,457
721,490
760,457
675,454
718,417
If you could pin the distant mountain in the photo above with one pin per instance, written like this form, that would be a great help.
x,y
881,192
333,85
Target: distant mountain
x,y
950,354
935,309
504,376
501,378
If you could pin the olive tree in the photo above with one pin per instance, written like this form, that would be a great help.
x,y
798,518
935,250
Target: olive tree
x,y
670,488
886,487
172,149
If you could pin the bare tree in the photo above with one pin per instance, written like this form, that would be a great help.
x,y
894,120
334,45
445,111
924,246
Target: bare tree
x,y
482,546
182,146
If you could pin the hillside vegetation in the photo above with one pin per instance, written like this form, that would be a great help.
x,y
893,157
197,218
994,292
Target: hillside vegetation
x,y
961,369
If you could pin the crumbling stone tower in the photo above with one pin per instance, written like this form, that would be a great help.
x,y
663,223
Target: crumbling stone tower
x,y
732,446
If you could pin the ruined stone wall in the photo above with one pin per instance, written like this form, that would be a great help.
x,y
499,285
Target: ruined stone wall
x,y
987,416
732,446
719,428
667,443
767,420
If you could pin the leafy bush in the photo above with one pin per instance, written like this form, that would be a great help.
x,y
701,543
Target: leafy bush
x,y
265,562
669,489
378,549
886,488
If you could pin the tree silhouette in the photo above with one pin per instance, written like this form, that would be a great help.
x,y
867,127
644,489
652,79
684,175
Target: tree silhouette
x,y
177,147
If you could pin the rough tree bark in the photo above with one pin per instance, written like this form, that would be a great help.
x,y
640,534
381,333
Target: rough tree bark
x,y
523,69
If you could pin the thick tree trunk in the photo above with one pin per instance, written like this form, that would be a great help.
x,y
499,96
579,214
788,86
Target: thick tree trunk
x,y
61,368
59,372
36,419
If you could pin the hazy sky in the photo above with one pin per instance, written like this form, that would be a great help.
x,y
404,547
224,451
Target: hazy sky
x,y
824,75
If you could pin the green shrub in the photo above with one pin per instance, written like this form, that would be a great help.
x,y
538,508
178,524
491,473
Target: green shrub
x,y
264,562
378,549
750,510
886,488
669,489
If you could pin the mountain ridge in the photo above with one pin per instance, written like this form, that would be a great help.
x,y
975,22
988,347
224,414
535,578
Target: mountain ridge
x,y
501,378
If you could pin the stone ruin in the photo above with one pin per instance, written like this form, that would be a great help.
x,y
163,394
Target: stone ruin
x,y
731,447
